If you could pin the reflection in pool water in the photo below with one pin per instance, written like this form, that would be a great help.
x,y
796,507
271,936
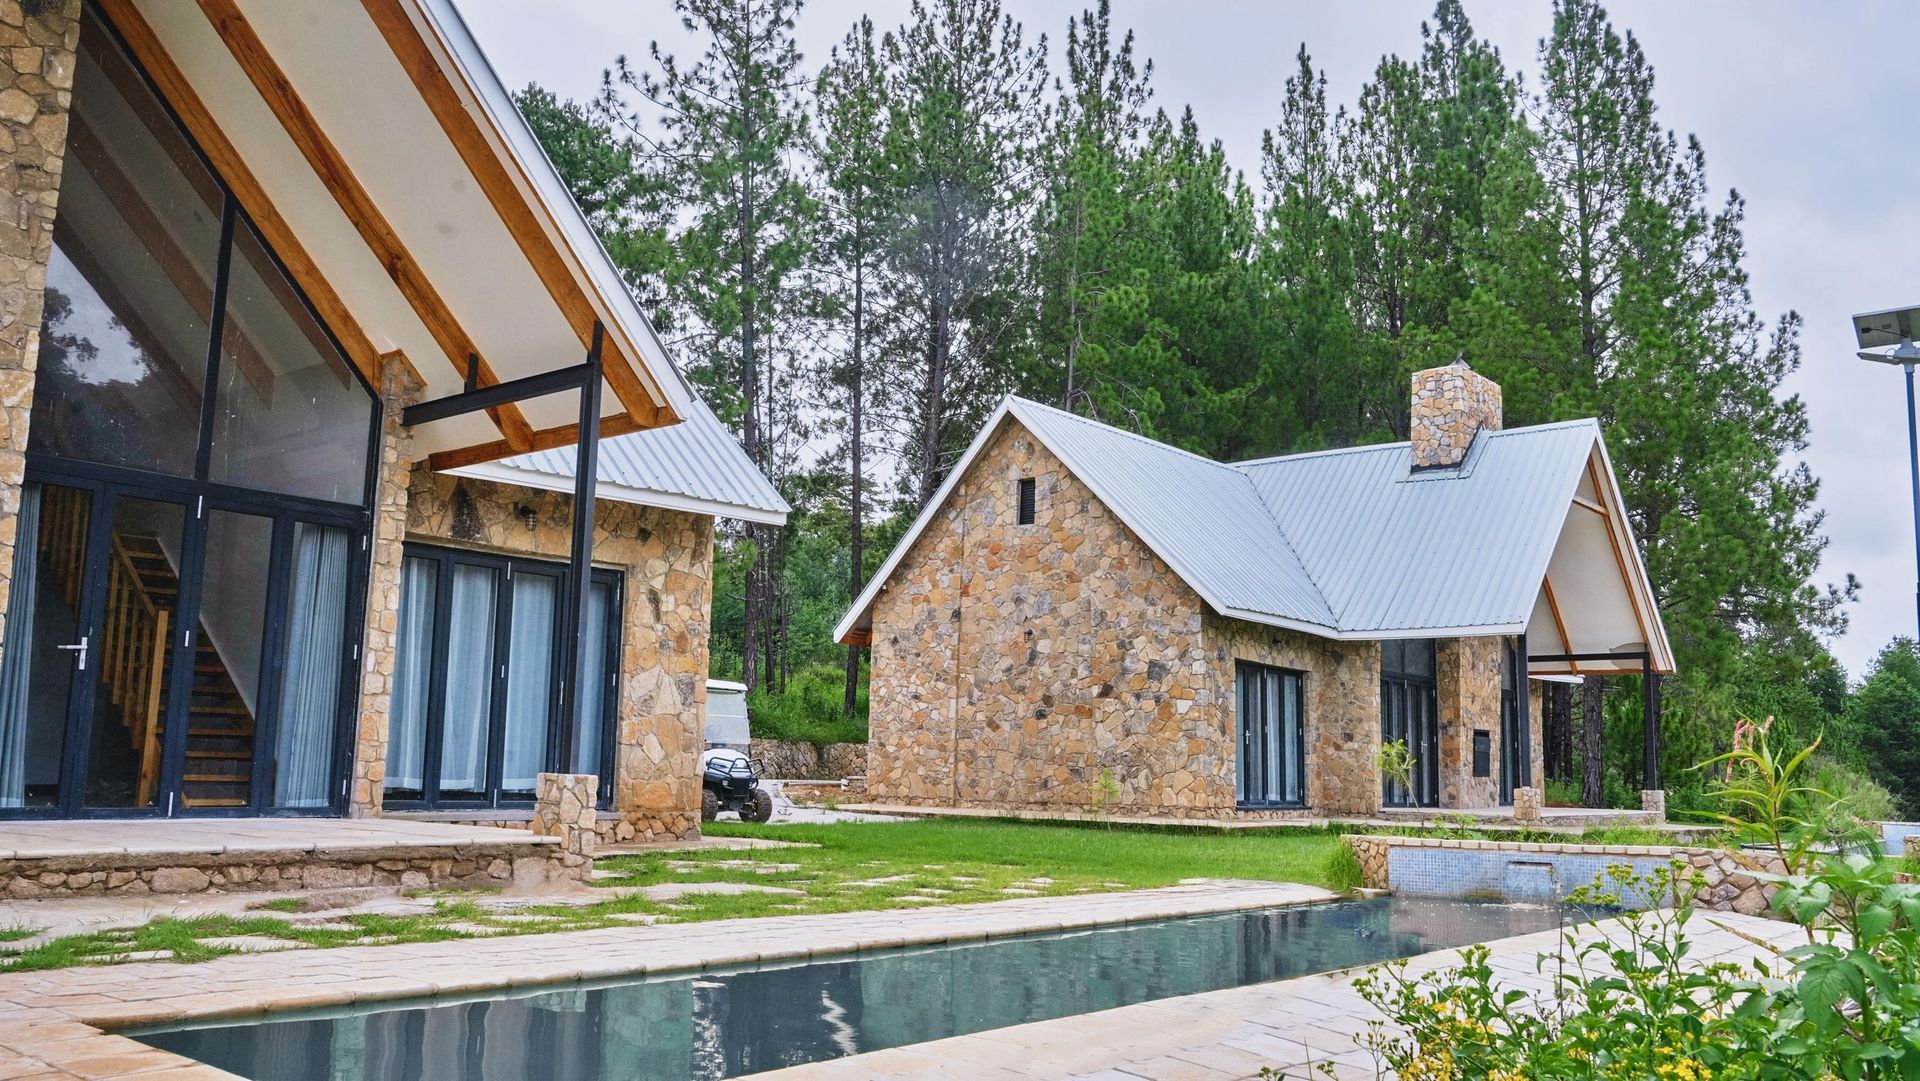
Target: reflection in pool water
x,y
723,1024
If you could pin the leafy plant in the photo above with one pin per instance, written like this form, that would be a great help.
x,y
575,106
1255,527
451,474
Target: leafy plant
x,y
1767,803
1394,760
1106,789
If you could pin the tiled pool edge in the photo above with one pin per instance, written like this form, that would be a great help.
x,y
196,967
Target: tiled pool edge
x,y
1288,1025
73,1014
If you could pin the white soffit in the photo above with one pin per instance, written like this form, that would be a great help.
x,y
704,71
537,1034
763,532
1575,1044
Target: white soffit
x,y
342,69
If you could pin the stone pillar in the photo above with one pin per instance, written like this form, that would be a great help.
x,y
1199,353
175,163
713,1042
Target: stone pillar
x,y
1911,845
1654,800
37,43
1526,804
399,386
663,691
1467,694
563,807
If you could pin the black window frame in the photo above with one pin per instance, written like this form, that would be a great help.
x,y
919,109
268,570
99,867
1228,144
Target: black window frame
x,y
1269,726
1516,721
557,758
1028,500
1415,692
105,481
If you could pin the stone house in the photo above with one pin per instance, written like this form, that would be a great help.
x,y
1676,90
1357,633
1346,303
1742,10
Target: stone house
x,y
1084,618
340,474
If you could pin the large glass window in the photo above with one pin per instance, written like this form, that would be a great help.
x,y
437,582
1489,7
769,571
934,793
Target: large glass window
x,y
290,415
1272,768
130,281
478,675
1410,714
150,255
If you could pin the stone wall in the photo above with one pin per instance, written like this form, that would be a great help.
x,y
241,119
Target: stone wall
x,y
797,760
36,91
1022,665
1342,715
1451,404
667,562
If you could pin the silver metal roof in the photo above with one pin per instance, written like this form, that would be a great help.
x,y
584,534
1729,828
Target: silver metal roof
x,y
1351,544
694,465
1163,493
1393,550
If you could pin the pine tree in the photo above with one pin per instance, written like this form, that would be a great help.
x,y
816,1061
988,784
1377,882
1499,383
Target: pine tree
x,y
731,127
964,95
851,93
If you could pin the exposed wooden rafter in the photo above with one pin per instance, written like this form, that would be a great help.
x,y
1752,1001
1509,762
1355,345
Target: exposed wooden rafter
x,y
324,158
186,104
639,393
1559,623
545,439
1621,561
1583,501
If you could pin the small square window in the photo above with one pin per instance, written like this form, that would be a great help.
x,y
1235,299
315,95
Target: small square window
x,y
1026,500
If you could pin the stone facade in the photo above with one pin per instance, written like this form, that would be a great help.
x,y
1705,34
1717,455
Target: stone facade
x,y
1467,693
666,559
37,43
1062,666
1451,404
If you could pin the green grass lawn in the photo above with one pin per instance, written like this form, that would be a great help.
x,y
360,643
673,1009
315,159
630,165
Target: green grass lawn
x,y
849,867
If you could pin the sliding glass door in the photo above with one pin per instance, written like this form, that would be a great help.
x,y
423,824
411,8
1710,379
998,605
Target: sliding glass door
x,y
480,679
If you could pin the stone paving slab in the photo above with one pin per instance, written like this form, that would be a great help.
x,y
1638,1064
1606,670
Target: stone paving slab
x,y
213,837
43,1013
1231,1034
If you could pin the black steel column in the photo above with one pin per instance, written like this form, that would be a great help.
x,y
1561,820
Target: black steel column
x,y
1650,706
586,463
1523,689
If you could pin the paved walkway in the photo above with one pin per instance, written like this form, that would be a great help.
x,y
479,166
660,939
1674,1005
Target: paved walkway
x,y
1230,1035
51,1022
209,836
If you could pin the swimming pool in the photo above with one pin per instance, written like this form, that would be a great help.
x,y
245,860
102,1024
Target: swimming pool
x,y
726,1023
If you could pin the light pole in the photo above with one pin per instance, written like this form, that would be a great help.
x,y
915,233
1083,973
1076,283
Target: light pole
x,y
1875,331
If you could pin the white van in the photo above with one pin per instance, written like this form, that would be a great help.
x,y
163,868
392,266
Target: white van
x,y
727,715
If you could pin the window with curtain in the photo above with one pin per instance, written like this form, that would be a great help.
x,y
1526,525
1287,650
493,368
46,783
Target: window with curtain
x,y
1269,703
477,677
307,737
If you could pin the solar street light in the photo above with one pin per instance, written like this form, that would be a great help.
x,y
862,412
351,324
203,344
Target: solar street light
x,y
1886,337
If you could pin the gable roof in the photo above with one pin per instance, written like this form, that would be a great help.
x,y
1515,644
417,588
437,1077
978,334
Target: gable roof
x,y
1355,543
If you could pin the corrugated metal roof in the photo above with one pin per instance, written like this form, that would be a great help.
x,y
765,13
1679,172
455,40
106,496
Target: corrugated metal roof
x,y
1393,550
694,465
1239,561
1347,543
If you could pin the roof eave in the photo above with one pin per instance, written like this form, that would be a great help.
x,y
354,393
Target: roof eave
x,y
502,473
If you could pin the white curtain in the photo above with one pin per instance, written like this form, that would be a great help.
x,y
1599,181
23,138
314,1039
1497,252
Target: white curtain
x,y
593,693
529,679
469,694
16,655
310,691
412,676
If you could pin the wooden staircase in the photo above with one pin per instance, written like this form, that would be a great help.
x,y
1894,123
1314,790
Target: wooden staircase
x,y
143,591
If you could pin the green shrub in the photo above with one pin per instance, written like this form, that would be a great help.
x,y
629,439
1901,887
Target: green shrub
x,y
812,709
1343,870
1854,791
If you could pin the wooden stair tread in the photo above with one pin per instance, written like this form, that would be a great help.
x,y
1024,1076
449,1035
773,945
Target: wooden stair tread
x,y
220,711
210,801
217,778
231,755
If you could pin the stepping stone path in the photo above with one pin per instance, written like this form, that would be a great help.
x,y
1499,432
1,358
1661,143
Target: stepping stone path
x,y
673,891
252,943
887,881
1020,891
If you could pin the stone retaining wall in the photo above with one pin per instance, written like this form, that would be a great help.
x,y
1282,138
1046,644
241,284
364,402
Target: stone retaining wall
x,y
480,866
797,760
1539,871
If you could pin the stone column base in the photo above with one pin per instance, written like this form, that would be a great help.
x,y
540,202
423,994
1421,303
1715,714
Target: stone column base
x,y
1526,804
1654,800
1912,845
563,807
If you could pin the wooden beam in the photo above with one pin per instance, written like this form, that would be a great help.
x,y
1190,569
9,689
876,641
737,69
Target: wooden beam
x,y
1583,501
186,103
1559,624
325,160
545,439
1620,562
638,392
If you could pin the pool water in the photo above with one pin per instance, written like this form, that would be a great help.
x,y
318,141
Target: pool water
x,y
727,1023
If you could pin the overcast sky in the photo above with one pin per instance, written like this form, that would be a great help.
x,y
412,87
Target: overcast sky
x,y
1805,108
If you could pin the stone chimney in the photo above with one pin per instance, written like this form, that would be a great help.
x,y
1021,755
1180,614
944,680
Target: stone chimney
x,y
1451,404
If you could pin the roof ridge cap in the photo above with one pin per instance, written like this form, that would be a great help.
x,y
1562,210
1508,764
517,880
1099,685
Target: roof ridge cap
x,y
1117,430
1363,447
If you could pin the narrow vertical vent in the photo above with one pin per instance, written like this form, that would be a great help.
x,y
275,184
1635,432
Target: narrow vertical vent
x,y
1026,500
